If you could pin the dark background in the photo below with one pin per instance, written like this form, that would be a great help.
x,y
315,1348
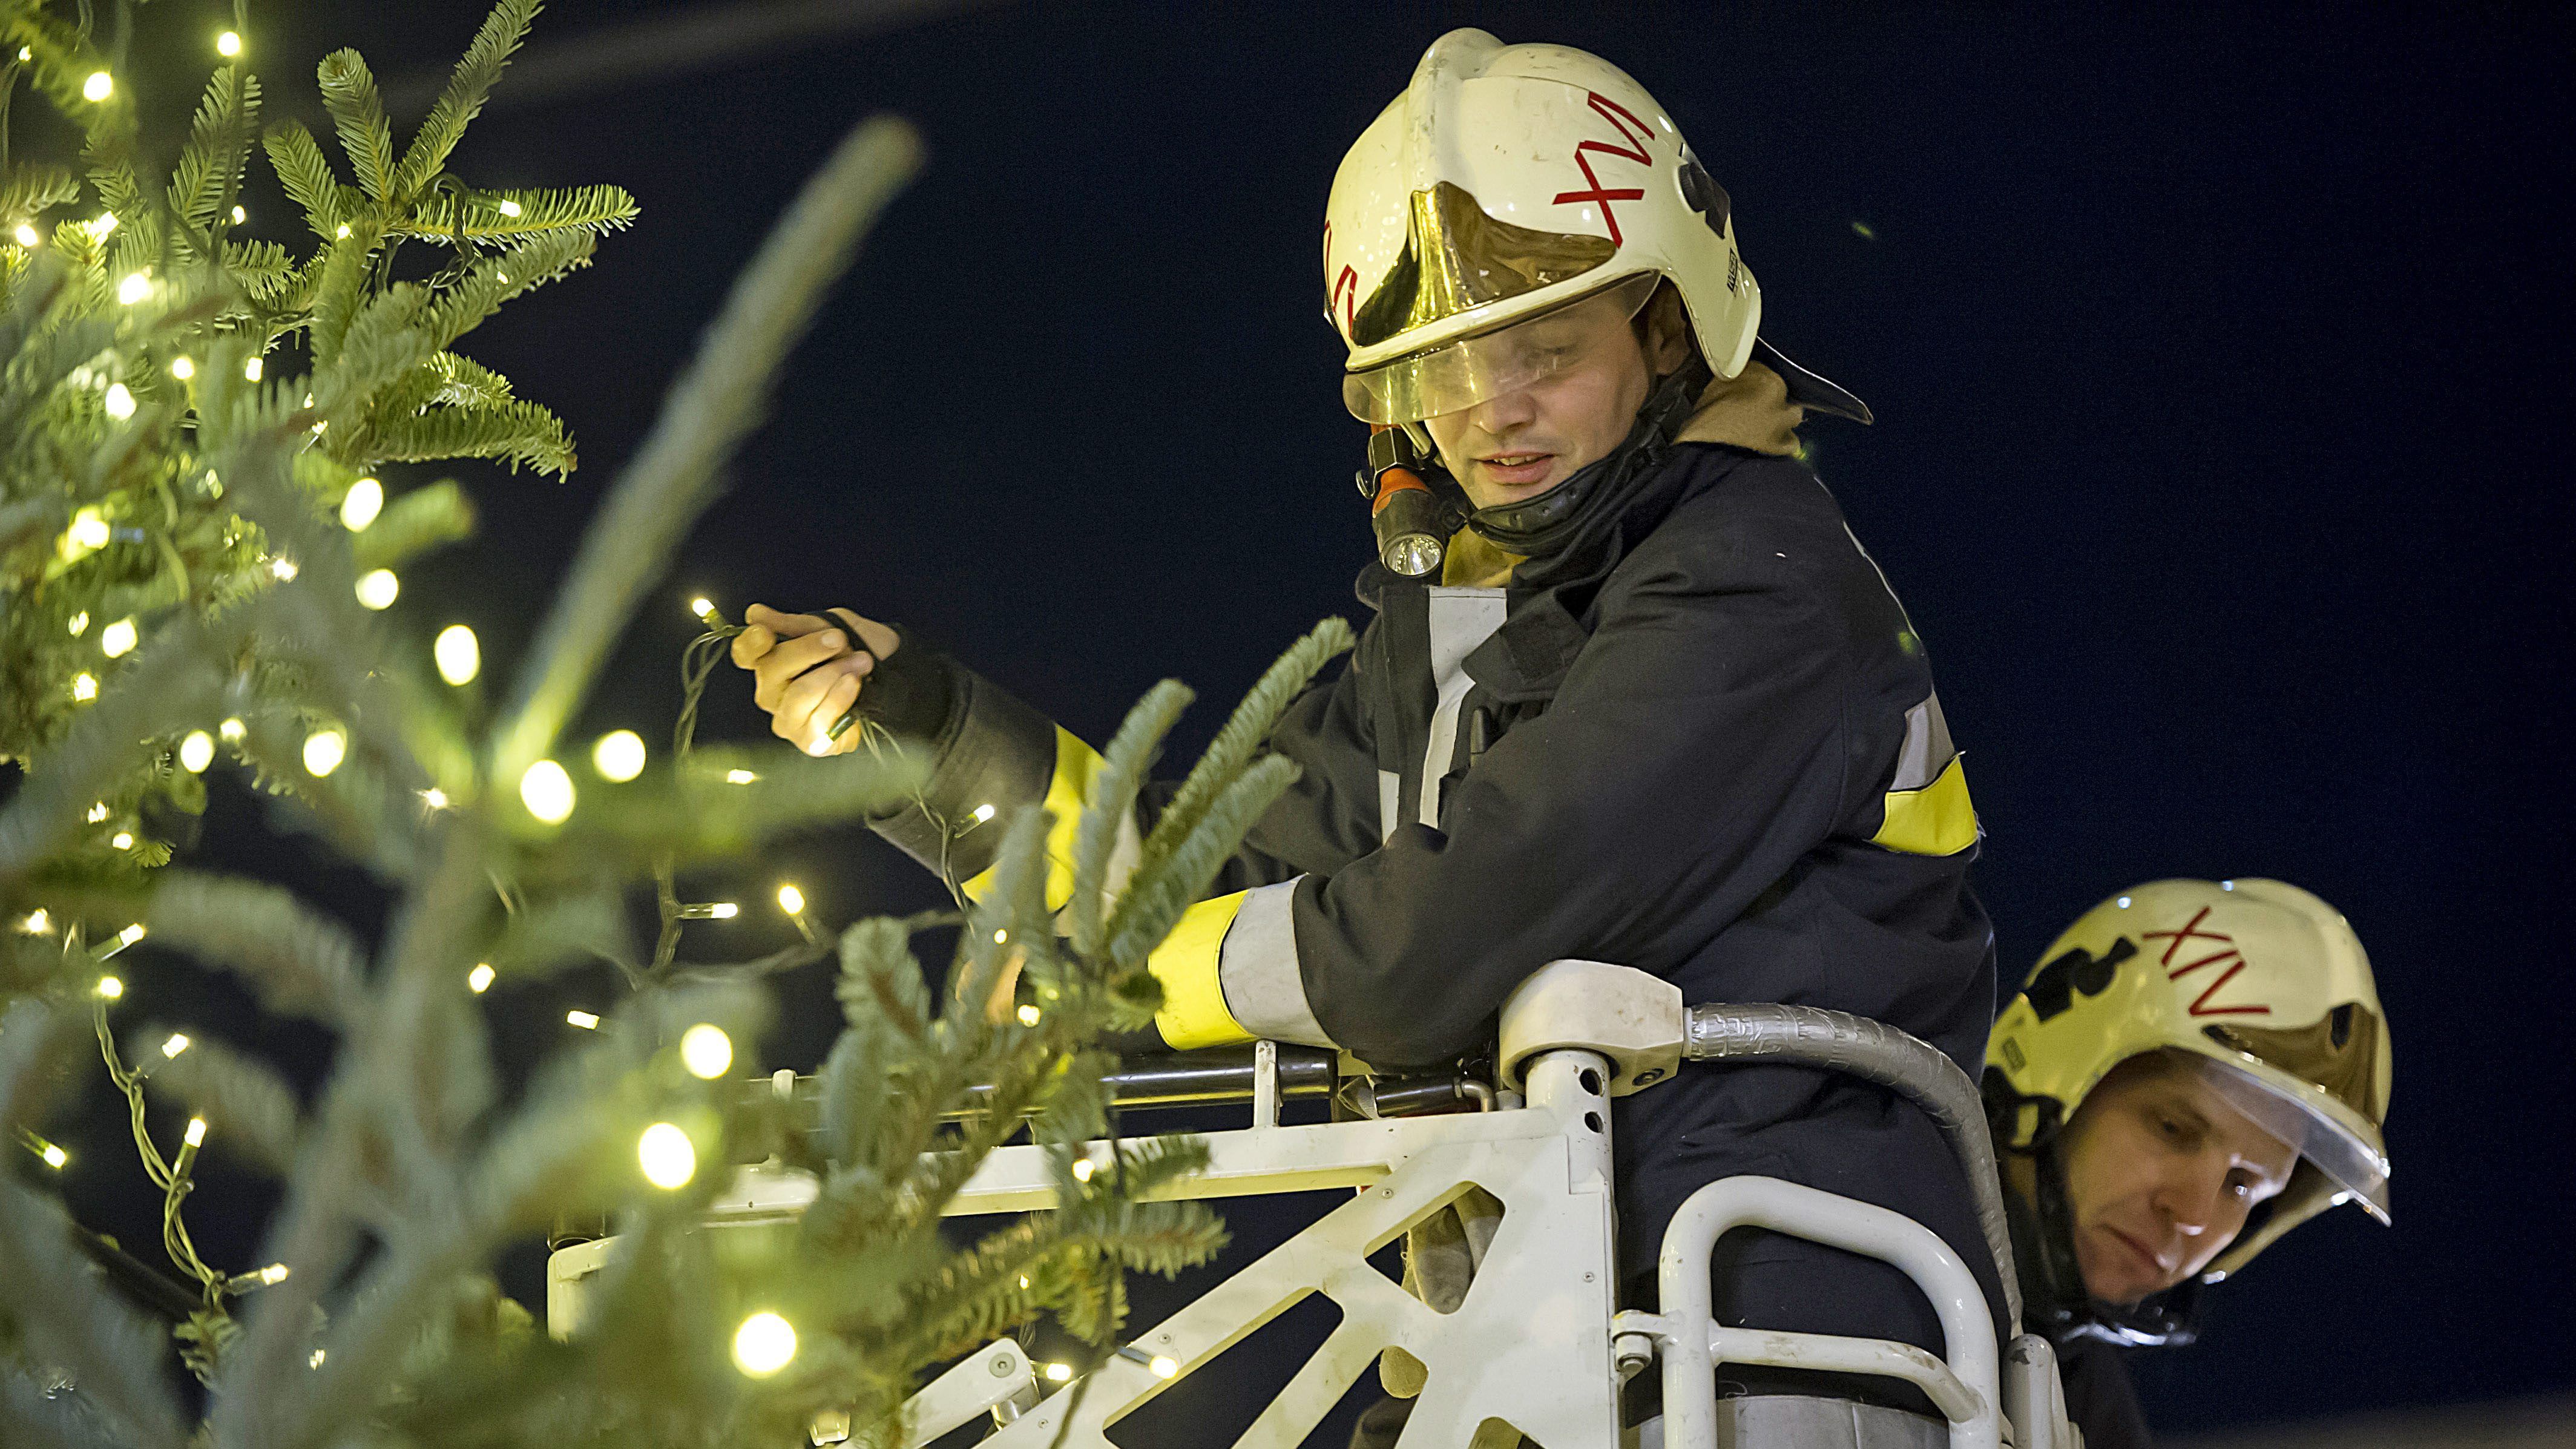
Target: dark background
x,y
2220,367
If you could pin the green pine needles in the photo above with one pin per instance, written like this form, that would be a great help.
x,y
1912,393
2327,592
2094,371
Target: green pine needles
x,y
187,519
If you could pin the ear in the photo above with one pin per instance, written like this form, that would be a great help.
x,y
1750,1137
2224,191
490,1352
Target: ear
x,y
1669,343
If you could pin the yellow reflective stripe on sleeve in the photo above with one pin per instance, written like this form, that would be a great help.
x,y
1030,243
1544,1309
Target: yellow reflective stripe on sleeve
x,y
1194,1013
1935,820
1075,765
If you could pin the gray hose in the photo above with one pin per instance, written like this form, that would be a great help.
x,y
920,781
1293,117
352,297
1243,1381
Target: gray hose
x,y
1877,1052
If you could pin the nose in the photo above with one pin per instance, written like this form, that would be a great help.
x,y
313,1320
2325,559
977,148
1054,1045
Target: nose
x,y
2188,1199
1499,415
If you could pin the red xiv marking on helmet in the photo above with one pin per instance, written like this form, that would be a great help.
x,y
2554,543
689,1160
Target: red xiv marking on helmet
x,y
1346,287
2230,958
1620,118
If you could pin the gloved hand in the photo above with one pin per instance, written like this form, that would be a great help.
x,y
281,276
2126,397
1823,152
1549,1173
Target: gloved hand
x,y
807,670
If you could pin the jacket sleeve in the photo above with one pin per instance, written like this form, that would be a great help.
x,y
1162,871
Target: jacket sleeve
x,y
1697,748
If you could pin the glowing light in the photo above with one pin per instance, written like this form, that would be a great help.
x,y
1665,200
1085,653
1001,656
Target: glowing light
x,y
27,235
1082,1169
702,606
1163,1367
365,499
182,369
229,43
341,232
273,1274
723,911
117,639
282,569
378,588
122,840
240,215
54,1156
119,401
668,1157
434,797
89,530
106,223
232,729
177,1043
791,900
459,654
135,287
1059,1373
1031,1016
196,1131
740,777
38,922
80,623
324,750
619,756
196,752
479,980
111,989
1001,938
315,1359
706,1051
587,1021
547,792
983,813
764,1344
84,686
97,812
99,86
250,370
508,208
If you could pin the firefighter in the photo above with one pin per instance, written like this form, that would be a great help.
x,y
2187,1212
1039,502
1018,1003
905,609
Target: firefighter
x,y
2195,1068
1649,703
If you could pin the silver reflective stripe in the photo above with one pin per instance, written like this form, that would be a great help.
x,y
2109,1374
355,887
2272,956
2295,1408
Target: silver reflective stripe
x,y
1390,799
1927,750
1461,619
1256,968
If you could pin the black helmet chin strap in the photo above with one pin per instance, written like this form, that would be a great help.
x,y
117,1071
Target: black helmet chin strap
x,y
1541,525
2043,1232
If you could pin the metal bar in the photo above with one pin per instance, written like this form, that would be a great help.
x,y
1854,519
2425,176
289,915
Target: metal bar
x,y
1833,1354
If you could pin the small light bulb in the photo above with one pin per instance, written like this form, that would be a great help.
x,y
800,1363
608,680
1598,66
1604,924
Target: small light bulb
x,y
84,686
232,729
122,840
130,934
282,569
1082,1169
434,797
182,369
723,911
479,980
702,606
119,401
983,813
273,1274
1059,1373
105,224
228,43
99,86
314,1359
740,777
668,1157
38,922
134,288
587,1021
117,639
196,1131
97,812
1164,1367
111,989
177,1043
55,1157
459,654
196,752
791,900
547,792
619,756
27,235
324,750
80,623
706,1051
1030,1015
240,215
341,232
508,208
1001,938
89,529
250,370
764,1344
364,500
378,588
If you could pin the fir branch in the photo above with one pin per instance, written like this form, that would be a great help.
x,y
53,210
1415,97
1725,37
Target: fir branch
x,y
497,279
462,99
210,168
32,187
1244,731
306,174
66,1319
349,94
243,1099
1159,893
518,216
517,433
300,962
1111,809
412,523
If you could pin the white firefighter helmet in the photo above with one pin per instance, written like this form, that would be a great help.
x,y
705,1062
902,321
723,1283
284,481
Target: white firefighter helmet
x,y
2263,985
1507,182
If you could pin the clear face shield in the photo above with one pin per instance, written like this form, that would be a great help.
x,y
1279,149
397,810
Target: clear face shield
x,y
1494,364
2351,1164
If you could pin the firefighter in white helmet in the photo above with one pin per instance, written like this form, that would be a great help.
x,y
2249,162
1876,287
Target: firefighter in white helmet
x,y
1633,692
2195,1068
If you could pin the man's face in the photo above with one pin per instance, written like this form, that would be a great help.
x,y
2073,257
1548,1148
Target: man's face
x,y
2160,1174
1521,444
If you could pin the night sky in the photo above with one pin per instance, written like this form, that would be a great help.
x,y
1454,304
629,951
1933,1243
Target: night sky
x,y
2221,368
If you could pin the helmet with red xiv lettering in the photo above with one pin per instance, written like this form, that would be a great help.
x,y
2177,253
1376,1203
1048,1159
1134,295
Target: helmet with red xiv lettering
x,y
2267,990
1506,183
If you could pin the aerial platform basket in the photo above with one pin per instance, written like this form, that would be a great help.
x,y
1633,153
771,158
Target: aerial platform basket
x,y
1538,1348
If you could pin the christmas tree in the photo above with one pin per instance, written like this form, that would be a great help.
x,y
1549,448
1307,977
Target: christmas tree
x,y
193,545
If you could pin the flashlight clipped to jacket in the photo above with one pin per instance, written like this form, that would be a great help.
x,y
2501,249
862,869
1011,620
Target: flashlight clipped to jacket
x,y
1412,523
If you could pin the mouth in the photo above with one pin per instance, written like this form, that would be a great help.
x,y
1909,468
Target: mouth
x,y
2146,1257
1515,468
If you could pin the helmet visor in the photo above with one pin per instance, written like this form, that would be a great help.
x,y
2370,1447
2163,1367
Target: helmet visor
x,y
2303,1121
1494,364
